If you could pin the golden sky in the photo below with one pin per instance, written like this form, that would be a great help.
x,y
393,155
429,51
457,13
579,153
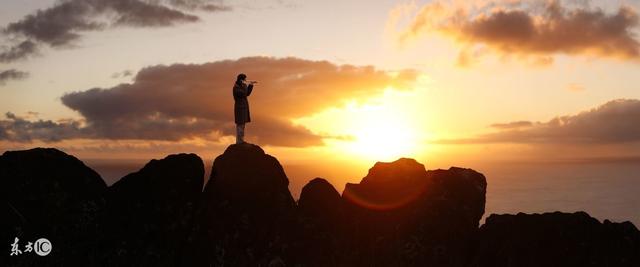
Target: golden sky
x,y
446,82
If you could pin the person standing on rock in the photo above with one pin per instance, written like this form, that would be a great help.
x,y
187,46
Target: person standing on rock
x,y
241,90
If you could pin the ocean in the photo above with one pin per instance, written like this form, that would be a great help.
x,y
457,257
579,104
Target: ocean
x,y
605,190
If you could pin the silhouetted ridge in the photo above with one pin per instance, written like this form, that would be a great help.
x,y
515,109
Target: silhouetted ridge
x,y
400,214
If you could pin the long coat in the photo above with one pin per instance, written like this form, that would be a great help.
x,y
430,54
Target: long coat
x,y
241,106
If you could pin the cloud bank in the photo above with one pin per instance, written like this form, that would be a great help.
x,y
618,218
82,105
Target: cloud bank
x,y
534,30
615,122
184,101
64,23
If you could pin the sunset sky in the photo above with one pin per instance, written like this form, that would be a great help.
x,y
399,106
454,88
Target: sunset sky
x,y
446,82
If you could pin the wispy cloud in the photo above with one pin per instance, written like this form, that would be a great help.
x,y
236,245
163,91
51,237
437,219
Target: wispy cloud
x,y
12,74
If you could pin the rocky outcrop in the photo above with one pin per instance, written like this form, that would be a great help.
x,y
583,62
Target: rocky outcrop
x,y
47,193
142,220
556,239
247,213
150,212
400,214
321,225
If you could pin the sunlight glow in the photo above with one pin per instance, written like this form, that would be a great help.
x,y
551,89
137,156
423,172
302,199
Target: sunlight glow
x,y
383,128
383,139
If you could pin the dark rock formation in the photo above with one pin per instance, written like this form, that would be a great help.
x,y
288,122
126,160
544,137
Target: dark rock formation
x,y
400,214
142,220
150,212
320,202
247,212
48,194
556,239
321,225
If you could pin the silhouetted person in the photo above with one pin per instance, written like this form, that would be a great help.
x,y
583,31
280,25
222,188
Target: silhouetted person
x,y
241,90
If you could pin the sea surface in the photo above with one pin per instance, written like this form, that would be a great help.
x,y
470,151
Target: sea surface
x,y
605,190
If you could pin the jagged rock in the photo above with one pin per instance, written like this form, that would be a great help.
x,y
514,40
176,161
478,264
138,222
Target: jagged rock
x,y
247,212
403,215
150,212
556,239
49,194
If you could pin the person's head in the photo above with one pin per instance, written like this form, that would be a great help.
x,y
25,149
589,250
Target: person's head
x,y
241,77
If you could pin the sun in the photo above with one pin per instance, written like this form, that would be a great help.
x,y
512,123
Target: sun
x,y
380,129
383,135
383,141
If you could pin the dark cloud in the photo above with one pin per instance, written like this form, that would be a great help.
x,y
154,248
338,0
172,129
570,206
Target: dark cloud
x,y
19,51
525,29
12,74
616,122
64,23
18,129
183,101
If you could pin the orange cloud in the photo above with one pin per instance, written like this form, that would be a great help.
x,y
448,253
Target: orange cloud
x,y
194,101
528,29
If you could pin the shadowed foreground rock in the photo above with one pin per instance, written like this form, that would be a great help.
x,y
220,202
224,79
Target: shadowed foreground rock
x,y
142,220
556,239
47,193
322,225
400,214
150,212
